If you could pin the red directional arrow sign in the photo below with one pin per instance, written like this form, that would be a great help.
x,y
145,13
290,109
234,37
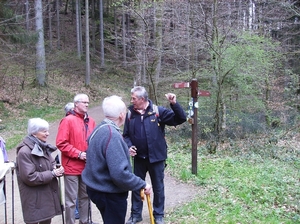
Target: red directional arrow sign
x,y
203,93
180,85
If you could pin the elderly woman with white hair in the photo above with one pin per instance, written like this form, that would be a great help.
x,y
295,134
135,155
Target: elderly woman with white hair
x,y
37,175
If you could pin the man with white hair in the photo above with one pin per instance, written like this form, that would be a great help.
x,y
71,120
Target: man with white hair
x,y
71,140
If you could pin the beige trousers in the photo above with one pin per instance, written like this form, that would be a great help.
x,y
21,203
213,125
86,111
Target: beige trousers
x,y
75,188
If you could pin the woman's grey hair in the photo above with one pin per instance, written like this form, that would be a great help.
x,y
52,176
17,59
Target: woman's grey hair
x,y
69,106
79,97
37,124
140,92
113,106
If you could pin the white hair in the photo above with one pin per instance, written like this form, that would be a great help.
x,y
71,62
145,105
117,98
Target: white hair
x,y
140,92
69,106
113,106
79,97
37,124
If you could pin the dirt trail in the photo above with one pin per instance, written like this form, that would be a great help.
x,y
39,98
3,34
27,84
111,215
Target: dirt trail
x,y
175,191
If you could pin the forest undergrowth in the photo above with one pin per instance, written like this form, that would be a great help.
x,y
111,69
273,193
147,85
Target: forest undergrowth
x,y
253,179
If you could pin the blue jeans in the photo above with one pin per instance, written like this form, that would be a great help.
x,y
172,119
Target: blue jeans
x,y
76,209
112,206
156,173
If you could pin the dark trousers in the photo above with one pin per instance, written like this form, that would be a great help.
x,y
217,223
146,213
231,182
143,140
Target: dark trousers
x,y
156,173
112,206
48,221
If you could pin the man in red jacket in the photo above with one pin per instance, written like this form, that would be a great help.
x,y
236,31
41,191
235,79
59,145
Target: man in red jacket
x,y
71,139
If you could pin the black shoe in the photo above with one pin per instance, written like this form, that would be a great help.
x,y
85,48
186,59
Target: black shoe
x,y
134,220
159,220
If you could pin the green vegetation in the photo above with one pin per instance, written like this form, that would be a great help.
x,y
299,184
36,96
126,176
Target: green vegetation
x,y
249,179
238,188
246,181
15,128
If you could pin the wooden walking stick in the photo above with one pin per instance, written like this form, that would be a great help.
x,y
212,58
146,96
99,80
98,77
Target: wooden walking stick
x,y
13,194
149,205
60,191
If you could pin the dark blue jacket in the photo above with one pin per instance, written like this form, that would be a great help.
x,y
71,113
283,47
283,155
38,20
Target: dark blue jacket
x,y
154,127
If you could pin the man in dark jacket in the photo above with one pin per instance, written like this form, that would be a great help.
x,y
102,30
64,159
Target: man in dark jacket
x,y
108,173
144,133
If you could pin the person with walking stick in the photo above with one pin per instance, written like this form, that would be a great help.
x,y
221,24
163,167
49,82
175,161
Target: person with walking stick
x,y
37,175
144,133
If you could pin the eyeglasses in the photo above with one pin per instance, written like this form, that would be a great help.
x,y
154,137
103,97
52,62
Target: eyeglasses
x,y
84,102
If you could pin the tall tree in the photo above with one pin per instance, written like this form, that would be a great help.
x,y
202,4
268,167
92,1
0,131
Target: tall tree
x,y
115,32
27,14
57,24
158,18
124,35
40,46
50,35
101,33
93,19
87,45
78,29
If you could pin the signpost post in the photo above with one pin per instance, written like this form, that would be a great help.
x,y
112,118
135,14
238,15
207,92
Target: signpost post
x,y
194,94
193,119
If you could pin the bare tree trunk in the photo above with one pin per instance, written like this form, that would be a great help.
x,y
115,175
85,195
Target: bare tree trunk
x,y
139,45
66,7
57,24
87,45
124,36
40,46
116,33
190,43
93,28
144,57
159,8
50,25
78,29
216,67
27,14
73,10
101,33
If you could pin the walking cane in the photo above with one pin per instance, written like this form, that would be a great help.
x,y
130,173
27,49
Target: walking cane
x,y
90,213
149,205
5,206
61,202
13,194
60,191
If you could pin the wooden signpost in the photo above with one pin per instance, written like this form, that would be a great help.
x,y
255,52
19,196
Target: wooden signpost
x,y
193,115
